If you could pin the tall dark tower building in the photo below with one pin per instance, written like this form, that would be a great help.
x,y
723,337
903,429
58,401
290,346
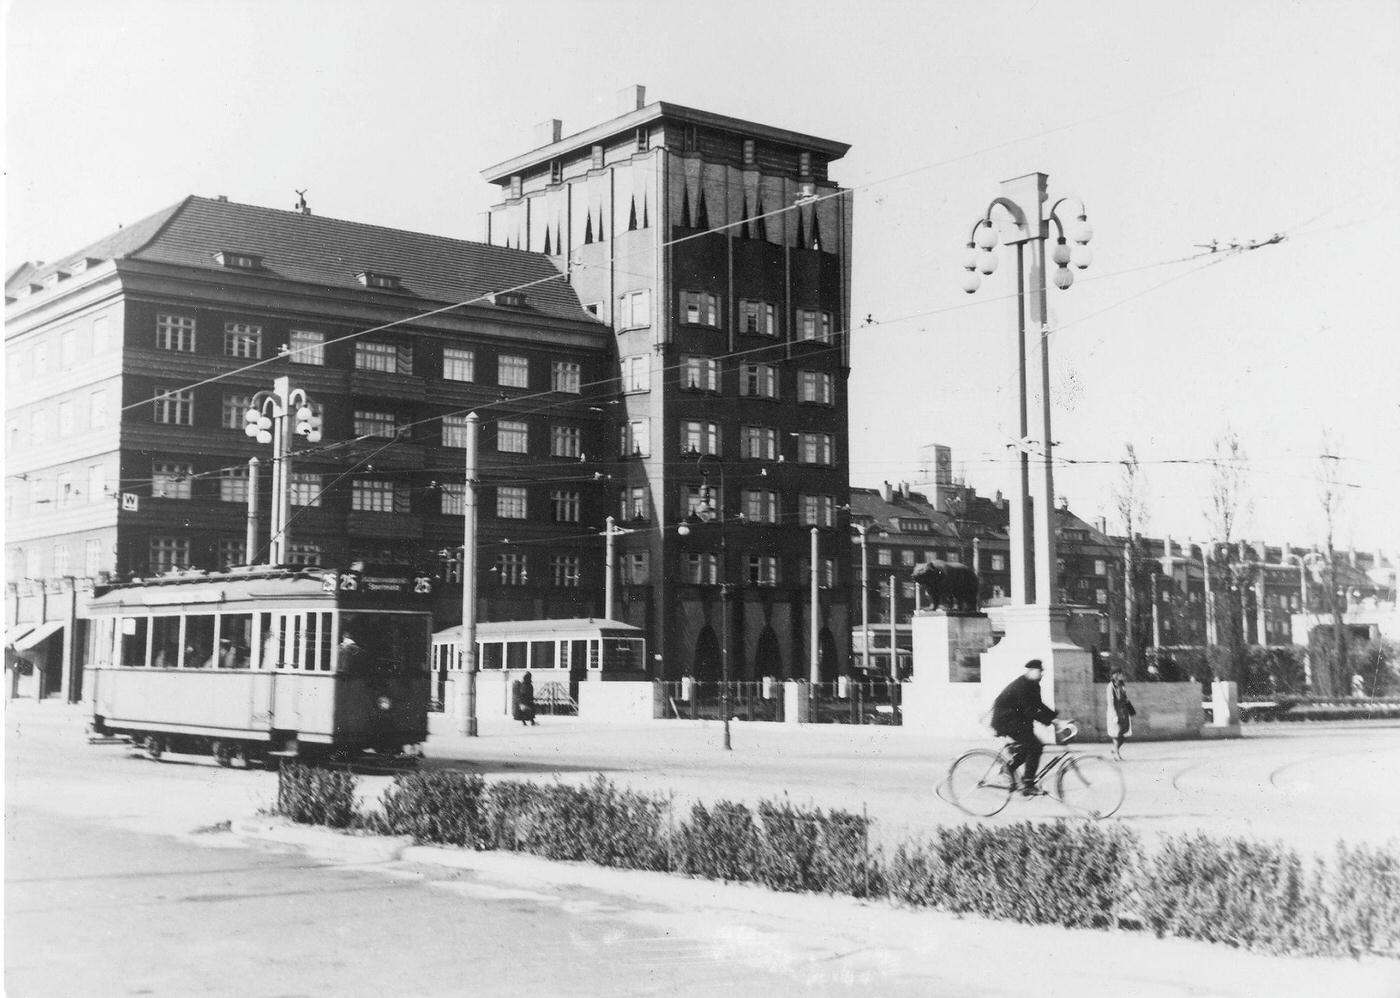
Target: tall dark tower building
x,y
718,250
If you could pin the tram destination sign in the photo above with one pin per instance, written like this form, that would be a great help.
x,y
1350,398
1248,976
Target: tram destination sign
x,y
377,581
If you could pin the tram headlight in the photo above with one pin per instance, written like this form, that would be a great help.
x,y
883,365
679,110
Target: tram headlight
x,y
384,703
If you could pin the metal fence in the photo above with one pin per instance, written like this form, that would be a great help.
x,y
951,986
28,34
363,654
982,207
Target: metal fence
x,y
867,701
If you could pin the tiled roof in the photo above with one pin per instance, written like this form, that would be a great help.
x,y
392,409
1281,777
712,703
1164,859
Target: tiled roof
x,y
110,247
870,503
329,253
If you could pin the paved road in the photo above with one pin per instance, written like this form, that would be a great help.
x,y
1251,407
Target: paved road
x,y
114,886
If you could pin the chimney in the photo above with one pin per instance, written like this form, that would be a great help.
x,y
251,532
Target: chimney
x,y
632,98
220,197
1351,556
1101,524
548,132
1000,500
887,492
904,489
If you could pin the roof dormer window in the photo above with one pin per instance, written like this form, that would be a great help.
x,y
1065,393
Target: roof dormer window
x,y
51,281
509,299
374,279
238,261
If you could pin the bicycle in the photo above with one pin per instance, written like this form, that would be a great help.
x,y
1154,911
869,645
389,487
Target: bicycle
x,y
979,782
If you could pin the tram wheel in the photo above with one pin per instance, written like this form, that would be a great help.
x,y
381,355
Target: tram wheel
x,y
155,747
223,753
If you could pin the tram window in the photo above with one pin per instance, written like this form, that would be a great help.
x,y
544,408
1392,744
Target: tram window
x,y
134,631
594,661
165,642
515,654
292,634
620,654
235,640
578,655
199,641
490,655
270,624
387,642
541,654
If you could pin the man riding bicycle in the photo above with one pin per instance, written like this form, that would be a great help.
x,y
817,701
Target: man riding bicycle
x,y
1014,713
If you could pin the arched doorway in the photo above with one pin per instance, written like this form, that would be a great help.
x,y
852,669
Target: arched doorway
x,y
768,656
826,656
707,667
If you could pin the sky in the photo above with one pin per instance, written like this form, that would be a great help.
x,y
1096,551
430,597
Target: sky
x,y
1177,124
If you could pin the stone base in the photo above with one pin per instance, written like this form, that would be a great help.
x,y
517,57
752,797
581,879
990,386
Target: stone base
x,y
944,695
620,701
797,705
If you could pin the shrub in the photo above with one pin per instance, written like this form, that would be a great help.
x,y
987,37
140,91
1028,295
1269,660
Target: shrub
x,y
1359,893
443,807
720,843
1248,894
844,863
915,874
310,795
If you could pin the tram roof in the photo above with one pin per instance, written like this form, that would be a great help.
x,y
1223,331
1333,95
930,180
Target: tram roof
x,y
540,629
242,583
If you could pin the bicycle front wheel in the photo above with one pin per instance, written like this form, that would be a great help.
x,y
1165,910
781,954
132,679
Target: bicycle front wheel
x,y
1091,784
978,783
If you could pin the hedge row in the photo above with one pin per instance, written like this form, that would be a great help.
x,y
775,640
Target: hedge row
x,y
1257,896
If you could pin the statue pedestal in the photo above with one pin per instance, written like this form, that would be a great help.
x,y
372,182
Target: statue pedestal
x,y
1068,684
944,694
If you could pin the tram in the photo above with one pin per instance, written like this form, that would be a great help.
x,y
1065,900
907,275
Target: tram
x,y
259,662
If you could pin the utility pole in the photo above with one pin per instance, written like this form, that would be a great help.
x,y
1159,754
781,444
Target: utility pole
x,y
813,633
466,695
250,541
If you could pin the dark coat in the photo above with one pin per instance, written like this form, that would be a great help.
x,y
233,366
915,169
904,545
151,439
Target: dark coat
x,y
1017,707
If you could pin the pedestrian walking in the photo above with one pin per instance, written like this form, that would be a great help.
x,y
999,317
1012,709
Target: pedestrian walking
x,y
1121,711
525,700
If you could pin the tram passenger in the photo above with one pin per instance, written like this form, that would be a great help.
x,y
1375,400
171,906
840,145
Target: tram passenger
x,y
350,657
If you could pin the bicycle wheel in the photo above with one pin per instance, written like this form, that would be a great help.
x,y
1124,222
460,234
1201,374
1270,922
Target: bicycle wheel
x,y
978,783
1091,784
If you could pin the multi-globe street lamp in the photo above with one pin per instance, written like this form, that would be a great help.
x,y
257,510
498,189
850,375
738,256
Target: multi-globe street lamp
x,y
266,422
707,512
1021,207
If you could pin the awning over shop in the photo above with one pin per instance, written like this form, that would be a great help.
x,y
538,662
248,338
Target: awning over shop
x,y
38,634
17,633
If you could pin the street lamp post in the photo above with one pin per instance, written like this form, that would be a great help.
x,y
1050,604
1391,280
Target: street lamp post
x,y
610,531
861,529
1022,204
466,696
712,514
266,422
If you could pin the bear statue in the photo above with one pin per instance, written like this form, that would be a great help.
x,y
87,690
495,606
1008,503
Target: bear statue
x,y
948,585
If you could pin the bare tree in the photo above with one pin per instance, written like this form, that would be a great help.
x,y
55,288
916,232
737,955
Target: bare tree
x,y
1229,506
1334,677
1130,500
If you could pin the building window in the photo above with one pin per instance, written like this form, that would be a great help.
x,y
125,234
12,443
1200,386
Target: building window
x,y
595,157
175,332
636,373
174,406
700,374
761,506
233,485
453,500
700,308
813,325
372,423
512,437
954,556
906,558
510,569
815,387
63,486
307,347
97,409
458,364
643,139
242,340
759,381
1101,597
883,556
636,568
1100,566
371,279
513,371
699,437
826,573
171,479
65,418
92,557
305,489
303,554
372,495
450,566
759,442
96,482
701,569
763,570
510,502
372,356
566,506
815,448
998,563
236,411
565,441
41,357
636,438
634,309
818,511
454,431
565,376
169,553
39,427
634,504
67,349
564,569
99,338
757,317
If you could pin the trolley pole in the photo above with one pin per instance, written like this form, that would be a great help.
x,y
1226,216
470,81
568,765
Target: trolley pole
x,y
609,568
466,694
250,543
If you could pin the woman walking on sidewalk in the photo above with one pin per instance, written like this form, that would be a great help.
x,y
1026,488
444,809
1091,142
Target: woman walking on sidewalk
x,y
1122,711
